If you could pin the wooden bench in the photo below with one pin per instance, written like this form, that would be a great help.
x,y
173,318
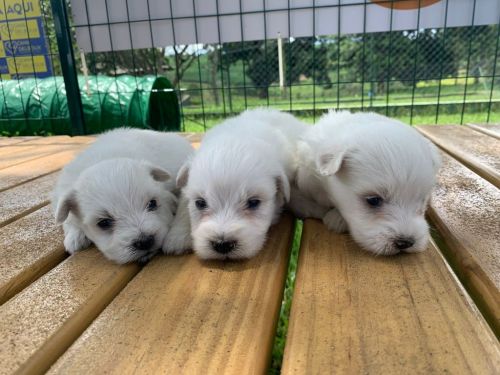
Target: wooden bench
x,y
432,312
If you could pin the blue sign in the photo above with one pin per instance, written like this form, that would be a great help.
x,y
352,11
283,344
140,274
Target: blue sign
x,y
23,46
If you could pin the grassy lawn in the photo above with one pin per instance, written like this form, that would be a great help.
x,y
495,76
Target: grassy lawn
x,y
431,102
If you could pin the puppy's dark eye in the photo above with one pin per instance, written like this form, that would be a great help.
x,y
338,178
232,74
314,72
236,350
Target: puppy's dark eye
x,y
374,201
201,204
105,224
152,205
253,203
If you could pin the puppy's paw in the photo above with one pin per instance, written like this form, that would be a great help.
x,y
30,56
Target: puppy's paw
x,y
334,221
75,240
177,243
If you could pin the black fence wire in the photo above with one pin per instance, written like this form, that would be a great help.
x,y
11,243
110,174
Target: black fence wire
x,y
421,75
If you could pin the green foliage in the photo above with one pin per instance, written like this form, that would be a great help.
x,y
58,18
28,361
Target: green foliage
x,y
304,57
408,57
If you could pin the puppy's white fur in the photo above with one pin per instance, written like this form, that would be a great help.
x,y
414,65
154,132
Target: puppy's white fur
x,y
116,178
250,156
347,158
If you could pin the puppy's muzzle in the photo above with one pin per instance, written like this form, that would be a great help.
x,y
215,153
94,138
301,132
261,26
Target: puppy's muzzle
x,y
144,242
223,247
403,243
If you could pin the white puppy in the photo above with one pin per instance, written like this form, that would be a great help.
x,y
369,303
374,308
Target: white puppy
x,y
238,182
369,174
119,193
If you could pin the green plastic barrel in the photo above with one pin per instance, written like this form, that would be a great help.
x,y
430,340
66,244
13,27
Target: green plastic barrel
x,y
40,106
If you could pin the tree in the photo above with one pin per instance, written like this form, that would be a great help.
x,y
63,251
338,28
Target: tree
x,y
302,56
408,57
137,62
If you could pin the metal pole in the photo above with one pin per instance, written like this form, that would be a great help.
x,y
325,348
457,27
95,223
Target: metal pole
x,y
68,66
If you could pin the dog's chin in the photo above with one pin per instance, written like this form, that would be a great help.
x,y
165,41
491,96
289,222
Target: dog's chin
x,y
123,253
381,244
243,251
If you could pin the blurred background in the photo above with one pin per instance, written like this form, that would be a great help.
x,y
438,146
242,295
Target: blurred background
x,y
83,66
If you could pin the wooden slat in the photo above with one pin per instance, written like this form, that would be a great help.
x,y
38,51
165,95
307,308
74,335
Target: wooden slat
x,y
180,315
354,313
29,248
61,140
26,198
30,150
466,211
491,130
9,141
477,151
21,173
44,319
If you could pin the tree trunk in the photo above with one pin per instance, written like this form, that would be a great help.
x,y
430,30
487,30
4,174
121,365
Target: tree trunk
x,y
214,62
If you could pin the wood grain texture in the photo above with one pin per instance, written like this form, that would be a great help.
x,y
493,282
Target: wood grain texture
x,y
465,209
33,149
25,198
477,151
39,323
181,315
9,141
354,313
22,173
29,248
491,130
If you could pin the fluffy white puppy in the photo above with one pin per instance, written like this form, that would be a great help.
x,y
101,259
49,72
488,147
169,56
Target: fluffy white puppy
x,y
119,193
238,182
368,174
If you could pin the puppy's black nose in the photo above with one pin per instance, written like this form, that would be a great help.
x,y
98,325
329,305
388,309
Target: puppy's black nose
x,y
223,247
144,242
404,243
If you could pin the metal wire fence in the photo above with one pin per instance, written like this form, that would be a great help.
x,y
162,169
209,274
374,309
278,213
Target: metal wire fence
x,y
421,74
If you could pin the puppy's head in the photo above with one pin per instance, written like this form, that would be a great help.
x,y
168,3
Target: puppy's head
x,y
234,193
380,178
123,206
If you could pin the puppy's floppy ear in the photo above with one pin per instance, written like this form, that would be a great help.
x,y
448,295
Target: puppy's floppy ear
x,y
159,174
329,163
283,187
183,175
66,205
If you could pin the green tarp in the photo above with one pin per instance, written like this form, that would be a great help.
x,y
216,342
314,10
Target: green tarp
x,y
39,106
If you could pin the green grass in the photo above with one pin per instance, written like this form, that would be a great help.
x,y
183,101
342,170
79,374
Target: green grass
x,y
195,125
307,101
280,339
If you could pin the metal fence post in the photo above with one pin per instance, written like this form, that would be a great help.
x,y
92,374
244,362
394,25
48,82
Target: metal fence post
x,y
68,66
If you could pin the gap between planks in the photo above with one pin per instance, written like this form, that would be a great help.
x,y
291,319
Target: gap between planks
x,y
475,150
491,130
43,320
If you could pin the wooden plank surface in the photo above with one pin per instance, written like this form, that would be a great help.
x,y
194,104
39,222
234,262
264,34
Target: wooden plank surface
x,y
25,198
181,315
21,173
354,313
9,141
39,323
475,150
30,247
36,148
491,130
466,211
